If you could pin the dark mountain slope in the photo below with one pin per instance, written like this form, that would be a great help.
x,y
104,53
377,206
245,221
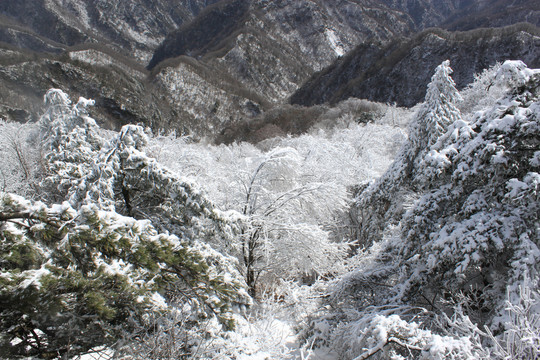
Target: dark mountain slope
x,y
37,18
118,85
400,71
427,13
494,13
177,97
237,58
203,34
272,47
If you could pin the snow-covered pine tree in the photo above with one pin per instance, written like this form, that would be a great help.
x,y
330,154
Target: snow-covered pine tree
x,y
477,225
439,110
468,246
70,140
72,279
118,176
385,199
91,271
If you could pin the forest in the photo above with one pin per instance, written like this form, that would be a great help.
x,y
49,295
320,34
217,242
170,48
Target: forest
x,y
393,233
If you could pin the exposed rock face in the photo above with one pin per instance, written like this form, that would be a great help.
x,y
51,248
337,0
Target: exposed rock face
x,y
400,71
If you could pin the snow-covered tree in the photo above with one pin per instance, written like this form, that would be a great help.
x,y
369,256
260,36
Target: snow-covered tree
x,y
129,234
465,246
476,225
70,143
280,236
20,165
89,166
71,279
440,108
386,199
320,167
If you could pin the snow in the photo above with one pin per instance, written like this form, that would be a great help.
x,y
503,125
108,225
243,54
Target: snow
x,y
59,7
515,73
322,165
98,353
159,301
33,277
335,43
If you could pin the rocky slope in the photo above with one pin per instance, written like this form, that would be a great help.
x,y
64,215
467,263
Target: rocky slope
x,y
119,86
179,97
132,27
493,13
236,56
272,47
400,71
212,62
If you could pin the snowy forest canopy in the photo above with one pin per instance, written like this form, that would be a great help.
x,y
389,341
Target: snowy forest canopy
x,y
412,236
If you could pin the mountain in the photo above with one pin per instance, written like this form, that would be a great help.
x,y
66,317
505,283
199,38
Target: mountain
x,y
231,61
117,84
199,66
273,47
179,98
131,27
493,13
400,70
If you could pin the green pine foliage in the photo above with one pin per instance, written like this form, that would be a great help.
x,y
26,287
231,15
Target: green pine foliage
x,y
71,279
129,242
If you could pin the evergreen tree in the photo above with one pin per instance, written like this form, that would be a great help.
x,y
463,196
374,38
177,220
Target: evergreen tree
x,y
75,274
468,246
439,109
72,279
475,225
70,140
385,200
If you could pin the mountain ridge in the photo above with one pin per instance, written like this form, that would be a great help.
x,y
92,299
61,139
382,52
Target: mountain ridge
x,y
261,56
381,72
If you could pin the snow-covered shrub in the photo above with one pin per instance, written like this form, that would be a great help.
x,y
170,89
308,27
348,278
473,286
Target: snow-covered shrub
x,y
265,330
521,337
390,337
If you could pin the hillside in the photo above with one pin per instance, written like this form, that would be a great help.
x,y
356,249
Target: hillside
x,y
217,64
269,179
399,72
133,28
119,85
